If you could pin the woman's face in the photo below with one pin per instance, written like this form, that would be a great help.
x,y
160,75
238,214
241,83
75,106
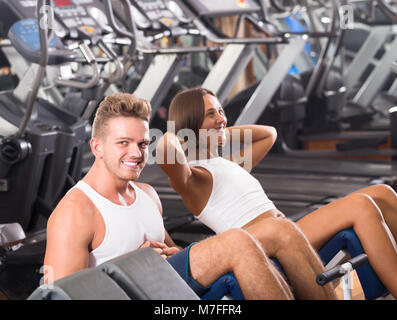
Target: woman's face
x,y
214,118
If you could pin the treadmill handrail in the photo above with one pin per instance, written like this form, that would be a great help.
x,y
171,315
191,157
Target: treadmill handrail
x,y
279,39
387,10
153,49
90,58
393,67
43,35
318,77
130,34
273,38
119,72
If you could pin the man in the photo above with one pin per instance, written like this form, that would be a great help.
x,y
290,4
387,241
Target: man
x,y
108,214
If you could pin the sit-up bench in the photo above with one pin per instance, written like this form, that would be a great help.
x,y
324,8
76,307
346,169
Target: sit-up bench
x,y
144,274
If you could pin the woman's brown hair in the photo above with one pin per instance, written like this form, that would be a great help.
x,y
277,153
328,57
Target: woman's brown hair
x,y
187,109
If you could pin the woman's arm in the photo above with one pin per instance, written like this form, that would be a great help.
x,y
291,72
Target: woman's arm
x,y
254,150
172,160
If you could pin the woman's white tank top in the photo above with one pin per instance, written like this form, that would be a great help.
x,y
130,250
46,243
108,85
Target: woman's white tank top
x,y
127,227
236,197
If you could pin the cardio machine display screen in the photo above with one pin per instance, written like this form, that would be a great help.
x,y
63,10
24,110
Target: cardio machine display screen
x,y
63,3
222,8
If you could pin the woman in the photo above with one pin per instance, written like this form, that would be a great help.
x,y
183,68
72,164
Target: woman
x,y
209,186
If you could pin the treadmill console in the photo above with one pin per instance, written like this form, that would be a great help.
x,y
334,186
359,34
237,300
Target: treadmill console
x,y
219,8
72,16
158,14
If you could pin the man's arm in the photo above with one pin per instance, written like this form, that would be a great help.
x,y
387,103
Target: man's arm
x,y
70,231
172,160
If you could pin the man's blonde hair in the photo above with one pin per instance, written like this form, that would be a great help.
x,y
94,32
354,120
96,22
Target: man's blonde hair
x,y
119,105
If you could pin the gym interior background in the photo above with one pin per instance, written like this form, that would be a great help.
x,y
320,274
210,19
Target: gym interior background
x,y
322,72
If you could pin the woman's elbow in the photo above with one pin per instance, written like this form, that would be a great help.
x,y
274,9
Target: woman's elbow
x,y
272,133
161,152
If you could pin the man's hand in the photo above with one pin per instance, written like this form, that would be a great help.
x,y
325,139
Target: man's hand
x,y
165,250
147,244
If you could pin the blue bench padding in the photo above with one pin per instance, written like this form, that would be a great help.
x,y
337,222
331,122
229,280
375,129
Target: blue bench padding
x,y
227,284
347,239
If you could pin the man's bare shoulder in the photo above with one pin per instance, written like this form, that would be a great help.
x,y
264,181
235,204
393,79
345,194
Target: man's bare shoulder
x,y
151,192
74,209
70,231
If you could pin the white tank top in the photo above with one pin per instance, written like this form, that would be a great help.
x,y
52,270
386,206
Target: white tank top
x,y
236,197
127,227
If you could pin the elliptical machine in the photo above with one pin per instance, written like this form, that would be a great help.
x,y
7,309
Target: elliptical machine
x,y
40,152
40,142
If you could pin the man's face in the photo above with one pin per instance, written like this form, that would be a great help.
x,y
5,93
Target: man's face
x,y
125,147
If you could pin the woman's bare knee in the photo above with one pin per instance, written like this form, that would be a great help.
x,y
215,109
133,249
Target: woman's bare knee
x,y
364,208
385,192
293,237
379,191
236,241
276,234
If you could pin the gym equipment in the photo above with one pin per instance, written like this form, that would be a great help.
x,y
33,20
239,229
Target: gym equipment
x,y
349,244
30,149
171,19
42,144
235,58
150,69
368,97
141,274
345,271
71,20
361,112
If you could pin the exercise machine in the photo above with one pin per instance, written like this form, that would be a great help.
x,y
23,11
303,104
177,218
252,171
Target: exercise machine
x,y
42,144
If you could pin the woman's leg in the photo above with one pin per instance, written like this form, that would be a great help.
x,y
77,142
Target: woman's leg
x,y
360,212
386,199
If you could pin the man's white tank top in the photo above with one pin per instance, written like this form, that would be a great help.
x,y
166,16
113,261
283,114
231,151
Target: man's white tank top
x,y
236,197
127,227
